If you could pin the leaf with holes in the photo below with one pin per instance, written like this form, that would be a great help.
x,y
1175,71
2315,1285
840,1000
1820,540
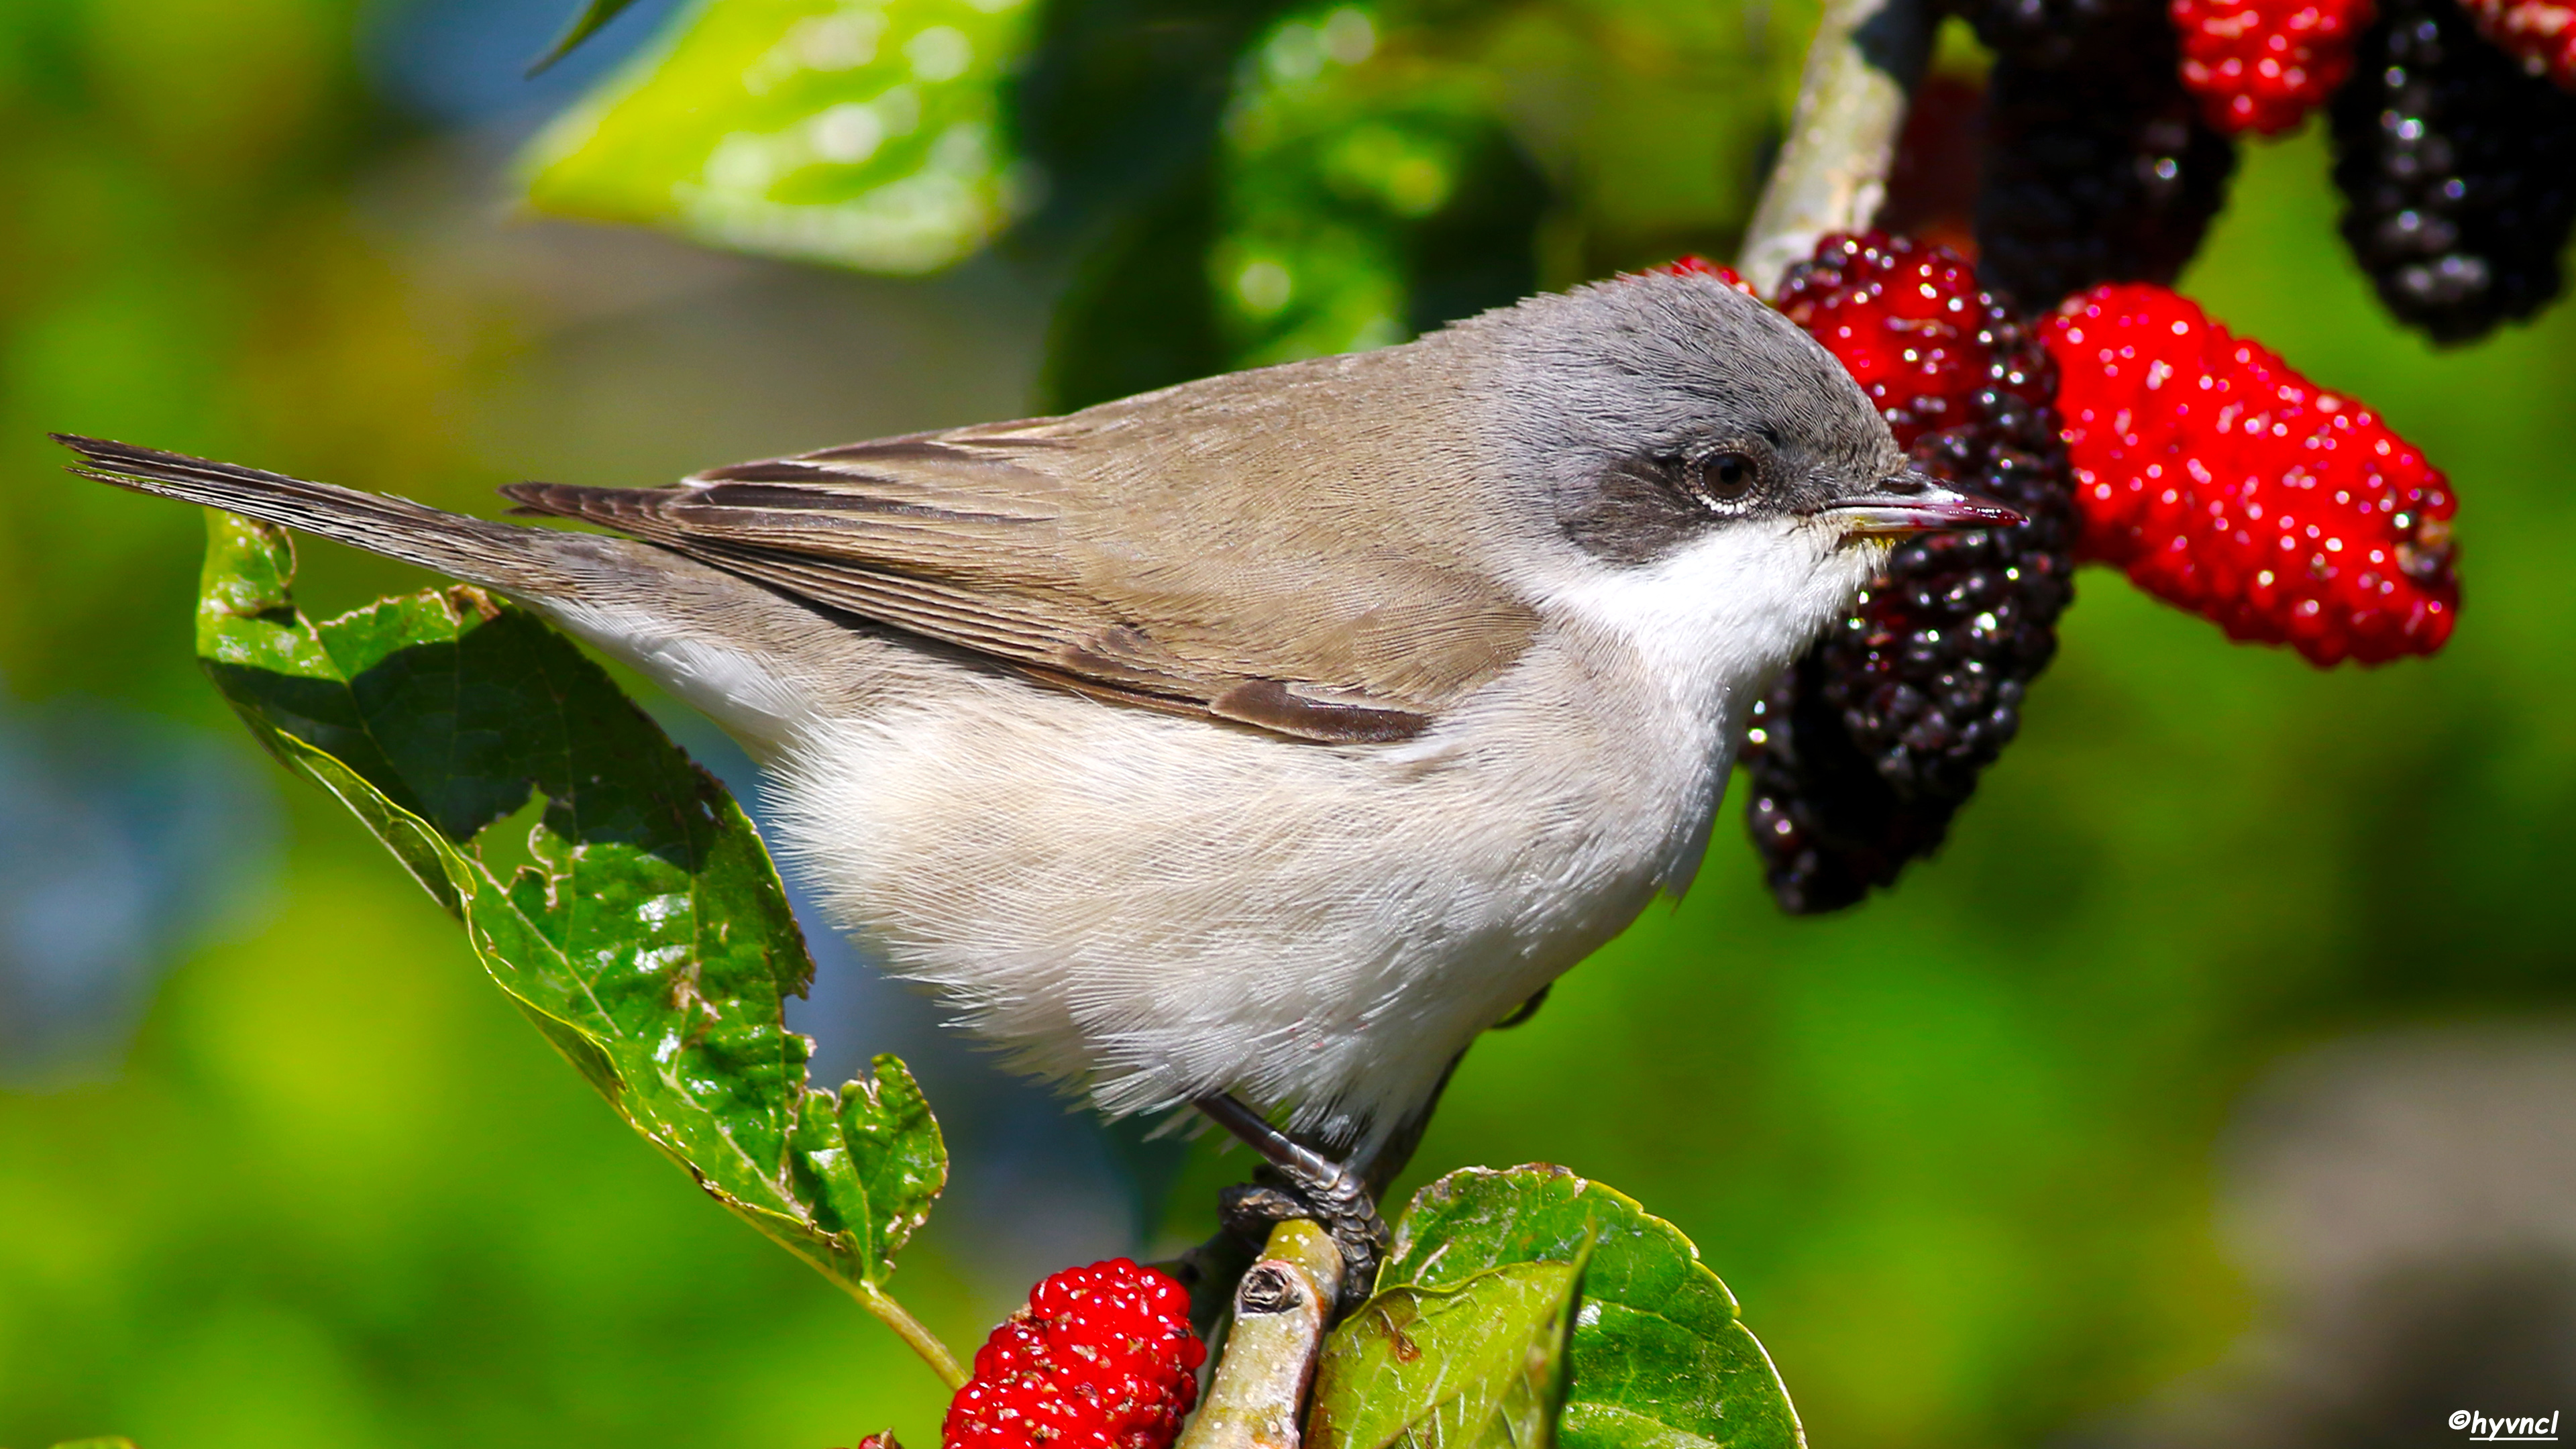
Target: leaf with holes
x,y
645,933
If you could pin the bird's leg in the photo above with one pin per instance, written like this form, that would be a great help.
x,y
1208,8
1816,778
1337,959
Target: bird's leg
x,y
1210,1269
1299,1182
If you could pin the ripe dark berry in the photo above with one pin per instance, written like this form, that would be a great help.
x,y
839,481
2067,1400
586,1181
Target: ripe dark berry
x,y
2539,33
2058,34
2227,484
2262,65
1826,824
2458,172
1101,1358
2102,169
1865,748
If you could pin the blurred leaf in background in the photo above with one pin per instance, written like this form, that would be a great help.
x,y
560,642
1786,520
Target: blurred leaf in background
x,y
867,134
1230,185
1369,191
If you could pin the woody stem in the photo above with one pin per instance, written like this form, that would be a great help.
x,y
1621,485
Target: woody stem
x,y
1832,174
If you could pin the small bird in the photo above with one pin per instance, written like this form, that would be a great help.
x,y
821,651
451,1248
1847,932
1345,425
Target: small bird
x,y
1255,743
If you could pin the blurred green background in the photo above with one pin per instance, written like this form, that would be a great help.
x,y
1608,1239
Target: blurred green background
x,y
2217,1084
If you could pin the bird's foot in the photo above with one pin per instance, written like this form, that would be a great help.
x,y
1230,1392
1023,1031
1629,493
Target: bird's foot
x,y
1299,1182
1252,1210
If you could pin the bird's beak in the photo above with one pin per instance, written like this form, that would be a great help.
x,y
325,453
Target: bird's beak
x,y
1912,503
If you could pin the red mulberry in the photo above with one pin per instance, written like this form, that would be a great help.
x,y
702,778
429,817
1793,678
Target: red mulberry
x,y
1101,1358
2227,484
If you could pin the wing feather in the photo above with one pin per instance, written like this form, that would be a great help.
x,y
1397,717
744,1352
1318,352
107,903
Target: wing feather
x,y
1125,562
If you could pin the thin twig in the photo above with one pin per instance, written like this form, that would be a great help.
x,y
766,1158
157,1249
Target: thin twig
x,y
912,1331
1280,1310
1832,173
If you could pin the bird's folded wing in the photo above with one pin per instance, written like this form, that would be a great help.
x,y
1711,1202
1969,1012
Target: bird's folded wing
x,y
1142,573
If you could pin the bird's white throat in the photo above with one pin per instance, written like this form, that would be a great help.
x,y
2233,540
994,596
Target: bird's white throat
x,y
1148,908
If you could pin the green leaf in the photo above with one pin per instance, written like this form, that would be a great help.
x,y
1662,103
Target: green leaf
x,y
1368,191
1660,1359
866,133
645,933
1480,1363
103,1441
585,25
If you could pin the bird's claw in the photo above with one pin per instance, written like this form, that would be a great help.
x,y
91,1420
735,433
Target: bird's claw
x,y
1296,1181
1252,1210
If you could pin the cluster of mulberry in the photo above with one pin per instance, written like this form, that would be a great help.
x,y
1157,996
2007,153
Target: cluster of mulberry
x,y
2126,428
1865,747
2195,461
2110,131
2458,169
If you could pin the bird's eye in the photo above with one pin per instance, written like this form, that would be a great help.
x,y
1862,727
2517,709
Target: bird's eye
x,y
1726,477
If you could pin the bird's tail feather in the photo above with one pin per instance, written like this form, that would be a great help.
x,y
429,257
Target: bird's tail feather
x,y
503,556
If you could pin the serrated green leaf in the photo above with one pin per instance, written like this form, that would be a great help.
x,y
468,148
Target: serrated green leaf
x,y
866,133
649,940
1660,1358
1475,1365
585,25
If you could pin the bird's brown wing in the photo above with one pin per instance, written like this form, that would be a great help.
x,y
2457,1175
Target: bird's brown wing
x,y
1119,555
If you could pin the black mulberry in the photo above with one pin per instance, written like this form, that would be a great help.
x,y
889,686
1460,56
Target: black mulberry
x,y
2458,171
1868,744
2099,169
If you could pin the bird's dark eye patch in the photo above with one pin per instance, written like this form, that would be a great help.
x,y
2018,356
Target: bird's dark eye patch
x,y
1643,508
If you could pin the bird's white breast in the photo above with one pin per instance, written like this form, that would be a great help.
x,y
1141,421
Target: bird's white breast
x,y
1153,907
1150,907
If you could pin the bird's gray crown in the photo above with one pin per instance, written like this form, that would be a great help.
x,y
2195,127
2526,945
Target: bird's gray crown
x,y
1652,408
